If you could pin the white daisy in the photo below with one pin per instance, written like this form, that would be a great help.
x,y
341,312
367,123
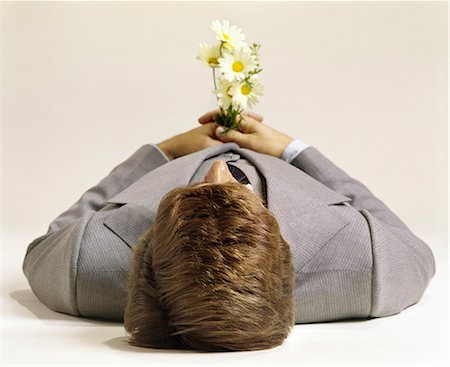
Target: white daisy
x,y
209,55
245,95
230,35
223,92
235,65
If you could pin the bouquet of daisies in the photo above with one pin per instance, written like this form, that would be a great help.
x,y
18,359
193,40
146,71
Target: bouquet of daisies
x,y
237,86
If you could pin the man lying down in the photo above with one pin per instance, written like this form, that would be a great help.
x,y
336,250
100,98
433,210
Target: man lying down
x,y
224,242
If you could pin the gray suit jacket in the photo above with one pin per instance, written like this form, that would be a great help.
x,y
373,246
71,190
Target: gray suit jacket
x,y
353,257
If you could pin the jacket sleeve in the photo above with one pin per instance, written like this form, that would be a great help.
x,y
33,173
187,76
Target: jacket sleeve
x,y
50,263
403,264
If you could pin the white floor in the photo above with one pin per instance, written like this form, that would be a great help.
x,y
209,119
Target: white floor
x,y
35,335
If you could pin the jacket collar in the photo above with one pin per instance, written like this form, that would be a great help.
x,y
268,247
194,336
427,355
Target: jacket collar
x,y
287,186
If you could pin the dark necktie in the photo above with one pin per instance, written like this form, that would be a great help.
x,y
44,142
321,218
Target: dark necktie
x,y
238,174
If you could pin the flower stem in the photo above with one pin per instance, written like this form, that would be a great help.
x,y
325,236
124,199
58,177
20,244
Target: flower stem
x,y
214,77
215,85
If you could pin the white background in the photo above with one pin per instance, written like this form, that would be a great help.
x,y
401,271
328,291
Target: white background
x,y
85,84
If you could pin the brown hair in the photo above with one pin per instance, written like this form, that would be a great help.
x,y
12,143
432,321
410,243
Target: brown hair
x,y
212,273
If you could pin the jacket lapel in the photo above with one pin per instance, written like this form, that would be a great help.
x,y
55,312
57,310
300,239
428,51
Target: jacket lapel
x,y
290,187
151,187
287,186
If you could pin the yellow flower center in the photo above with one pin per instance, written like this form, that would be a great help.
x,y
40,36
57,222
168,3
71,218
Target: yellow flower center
x,y
213,60
238,66
226,37
245,89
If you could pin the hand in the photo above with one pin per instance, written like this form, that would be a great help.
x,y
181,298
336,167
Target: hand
x,y
191,141
209,116
253,135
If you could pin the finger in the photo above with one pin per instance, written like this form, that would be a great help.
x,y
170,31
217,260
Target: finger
x,y
209,128
230,136
254,115
248,125
208,116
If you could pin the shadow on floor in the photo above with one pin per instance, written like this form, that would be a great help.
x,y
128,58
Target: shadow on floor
x,y
35,309
120,343
27,299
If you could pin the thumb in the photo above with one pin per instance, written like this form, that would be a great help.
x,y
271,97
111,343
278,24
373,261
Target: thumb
x,y
230,136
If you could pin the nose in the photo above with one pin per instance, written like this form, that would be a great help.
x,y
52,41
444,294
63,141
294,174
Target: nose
x,y
219,173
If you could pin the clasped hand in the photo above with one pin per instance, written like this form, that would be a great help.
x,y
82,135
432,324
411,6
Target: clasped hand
x,y
252,134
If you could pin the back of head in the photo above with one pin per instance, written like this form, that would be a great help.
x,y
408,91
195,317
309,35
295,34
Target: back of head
x,y
212,273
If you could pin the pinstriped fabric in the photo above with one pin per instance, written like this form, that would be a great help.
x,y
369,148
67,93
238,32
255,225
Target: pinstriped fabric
x,y
332,257
103,294
179,172
402,264
51,265
332,223
336,254
118,179
316,165
306,234
327,296
104,263
399,275
53,261
139,219
102,250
